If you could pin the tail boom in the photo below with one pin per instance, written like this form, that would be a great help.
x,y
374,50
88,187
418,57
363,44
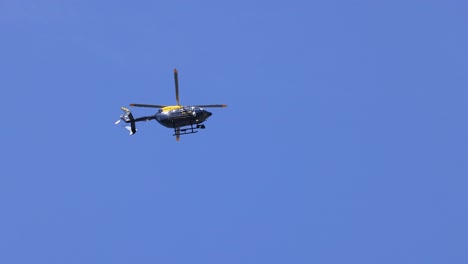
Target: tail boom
x,y
128,118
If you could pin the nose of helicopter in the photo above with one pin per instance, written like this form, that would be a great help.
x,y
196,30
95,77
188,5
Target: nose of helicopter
x,y
208,114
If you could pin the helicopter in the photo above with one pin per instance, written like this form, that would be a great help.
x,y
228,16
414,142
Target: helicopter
x,y
183,119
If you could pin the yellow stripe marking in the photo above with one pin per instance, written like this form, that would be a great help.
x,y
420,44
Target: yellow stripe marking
x,y
171,107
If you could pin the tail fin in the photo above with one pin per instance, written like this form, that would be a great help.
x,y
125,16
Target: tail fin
x,y
132,129
127,117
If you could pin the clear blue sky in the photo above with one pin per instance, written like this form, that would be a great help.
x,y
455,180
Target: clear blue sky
x,y
345,139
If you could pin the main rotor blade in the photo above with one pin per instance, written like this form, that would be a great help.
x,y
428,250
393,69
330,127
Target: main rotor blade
x,y
177,133
148,105
214,105
176,79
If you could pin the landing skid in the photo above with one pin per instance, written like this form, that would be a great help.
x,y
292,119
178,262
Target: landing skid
x,y
191,130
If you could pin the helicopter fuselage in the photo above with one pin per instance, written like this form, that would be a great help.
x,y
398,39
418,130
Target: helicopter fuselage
x,y
180,116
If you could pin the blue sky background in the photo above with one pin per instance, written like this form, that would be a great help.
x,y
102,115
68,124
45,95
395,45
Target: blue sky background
x,y
344,140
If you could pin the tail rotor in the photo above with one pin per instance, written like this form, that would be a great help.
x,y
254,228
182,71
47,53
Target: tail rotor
x,y
127,117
